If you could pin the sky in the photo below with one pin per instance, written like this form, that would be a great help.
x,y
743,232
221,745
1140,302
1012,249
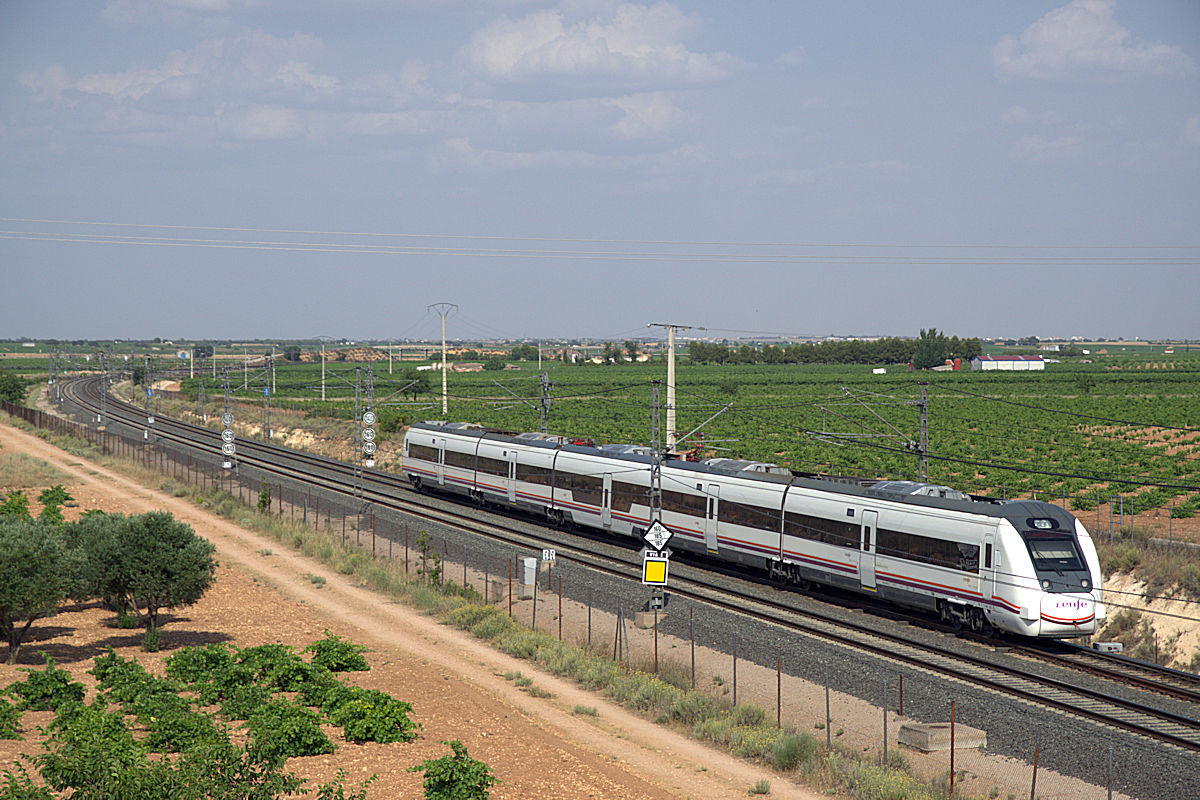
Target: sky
x,y
295,168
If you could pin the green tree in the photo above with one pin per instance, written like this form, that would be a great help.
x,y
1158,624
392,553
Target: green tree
x,y
932,349
169,565
34,579
494,364
12,388
291,352
631,349
456,776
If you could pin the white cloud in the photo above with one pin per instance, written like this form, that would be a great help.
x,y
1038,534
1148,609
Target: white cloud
x,y
634,43
645,115
268,122
1042,149
1191,131
459,150
1083,39
792,57
1018,115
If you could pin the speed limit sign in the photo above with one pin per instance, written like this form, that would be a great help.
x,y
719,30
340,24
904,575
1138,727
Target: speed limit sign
x,y
368,434
369,418
227,419
227,448
368,447
227,435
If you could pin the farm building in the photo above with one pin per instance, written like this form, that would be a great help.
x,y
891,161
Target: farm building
x,y
1008,363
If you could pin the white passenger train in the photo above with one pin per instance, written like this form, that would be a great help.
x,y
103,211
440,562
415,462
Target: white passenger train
x,y
1021,566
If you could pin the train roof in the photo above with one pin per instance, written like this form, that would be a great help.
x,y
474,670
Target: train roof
x,y
1021,513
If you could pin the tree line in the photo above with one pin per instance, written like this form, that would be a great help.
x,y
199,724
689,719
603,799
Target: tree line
x,y
888,350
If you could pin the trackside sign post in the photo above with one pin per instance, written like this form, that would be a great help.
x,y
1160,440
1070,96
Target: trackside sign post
x,y
655,567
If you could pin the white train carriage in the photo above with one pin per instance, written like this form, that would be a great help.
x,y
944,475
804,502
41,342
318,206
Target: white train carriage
x,y
1020,566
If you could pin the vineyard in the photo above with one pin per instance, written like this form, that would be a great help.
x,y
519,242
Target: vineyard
x,y
1076,433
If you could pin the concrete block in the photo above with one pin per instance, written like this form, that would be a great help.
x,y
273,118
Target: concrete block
x,y
525,591
645,619
929,737
497,590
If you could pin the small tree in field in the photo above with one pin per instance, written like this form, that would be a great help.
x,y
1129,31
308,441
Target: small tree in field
x,y
32,577
169,565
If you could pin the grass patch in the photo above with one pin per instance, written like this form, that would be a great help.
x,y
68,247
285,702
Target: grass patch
x,y
585,711
317,580
21,471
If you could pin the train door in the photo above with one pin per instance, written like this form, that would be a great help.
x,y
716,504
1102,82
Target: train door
x,y
606,502
866,558
987,566
710,519
512,476
441,461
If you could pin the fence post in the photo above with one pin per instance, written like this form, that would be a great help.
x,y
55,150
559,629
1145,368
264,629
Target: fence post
x,y
735,673
828,718
1037,746
885,738
952,748
779,691
692,642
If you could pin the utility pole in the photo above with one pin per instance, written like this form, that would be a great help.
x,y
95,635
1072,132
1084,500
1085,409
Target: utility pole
x,y
273,387
544,404
322,371
656,457
443,309
192,363
671,328
923,436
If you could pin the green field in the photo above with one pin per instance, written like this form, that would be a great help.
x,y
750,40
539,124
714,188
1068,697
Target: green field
x,y
999,433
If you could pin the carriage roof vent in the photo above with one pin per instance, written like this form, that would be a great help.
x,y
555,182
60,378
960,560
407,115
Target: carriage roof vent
x,y
463,426
744,465
914,489
625,449
536,436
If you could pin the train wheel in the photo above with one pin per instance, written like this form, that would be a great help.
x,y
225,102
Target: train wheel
x,y
978,622
947,615
416,483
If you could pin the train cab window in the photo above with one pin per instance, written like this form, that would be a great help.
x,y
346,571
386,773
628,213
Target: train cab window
x,y
1057,554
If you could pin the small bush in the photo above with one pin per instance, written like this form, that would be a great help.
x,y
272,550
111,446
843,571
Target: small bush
x,y
585,711
46,689
337,654
280,730
200,664
760,787
10,718
456,776
793,750
367,715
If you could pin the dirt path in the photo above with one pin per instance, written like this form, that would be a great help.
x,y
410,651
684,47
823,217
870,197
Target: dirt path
x,y
265,593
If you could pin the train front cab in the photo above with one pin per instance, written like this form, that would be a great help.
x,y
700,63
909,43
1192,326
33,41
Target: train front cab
x,y
1055,573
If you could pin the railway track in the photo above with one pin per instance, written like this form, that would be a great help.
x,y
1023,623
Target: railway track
x,y
991,672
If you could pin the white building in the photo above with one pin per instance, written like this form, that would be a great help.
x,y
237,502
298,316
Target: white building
x,y
1008,363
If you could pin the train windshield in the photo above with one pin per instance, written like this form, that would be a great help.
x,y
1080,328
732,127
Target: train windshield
x,y
1056,555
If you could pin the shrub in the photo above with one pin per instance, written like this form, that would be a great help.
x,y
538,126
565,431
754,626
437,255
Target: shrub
x,y
373,716
46,689
200,664
456,776
793,750
337,654
280,730
10,718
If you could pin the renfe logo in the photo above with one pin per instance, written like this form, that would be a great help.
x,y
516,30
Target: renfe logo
x,y
1077,605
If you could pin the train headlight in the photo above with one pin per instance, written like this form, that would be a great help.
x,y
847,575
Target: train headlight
x,y
1046,585
1087,584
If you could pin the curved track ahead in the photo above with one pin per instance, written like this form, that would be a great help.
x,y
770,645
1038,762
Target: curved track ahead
x,y
390,491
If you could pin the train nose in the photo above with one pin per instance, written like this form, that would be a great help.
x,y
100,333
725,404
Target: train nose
x,y
1068,613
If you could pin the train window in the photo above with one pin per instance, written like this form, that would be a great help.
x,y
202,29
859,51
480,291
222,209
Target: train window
x,y
748,516
928,550
987,555
531,474
493,466
682,503
463,460
1054,554
819,529
423,452
625,495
